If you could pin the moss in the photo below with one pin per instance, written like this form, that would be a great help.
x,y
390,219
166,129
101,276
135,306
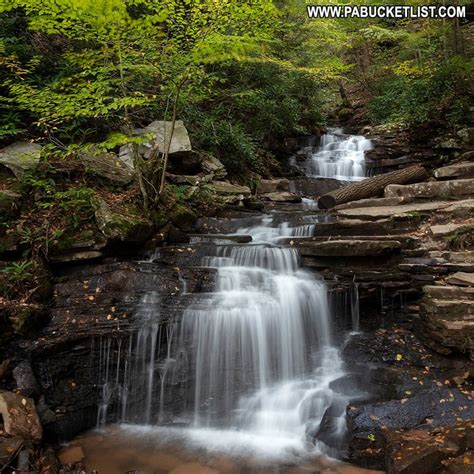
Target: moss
x,y
183,218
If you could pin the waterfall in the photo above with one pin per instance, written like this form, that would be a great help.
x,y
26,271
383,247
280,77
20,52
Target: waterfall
x,y
339,156
249,364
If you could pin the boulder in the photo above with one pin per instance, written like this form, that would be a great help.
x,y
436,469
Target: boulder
x,y
160,133
20,157
183,218
107,165
433,189
458,170
230,193
315,186
349,248
9,204
121,227
273,185
20,417
212,166
281,197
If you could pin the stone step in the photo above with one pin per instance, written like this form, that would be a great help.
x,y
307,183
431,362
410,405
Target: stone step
x,y
438,266
449,310
453,257
374,202
349,227
403,210
461,279
448,292
451,229
350,248
459,170
407,241
220,238
457,188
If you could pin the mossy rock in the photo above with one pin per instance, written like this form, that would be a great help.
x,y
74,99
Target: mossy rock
x,y
29,318
183,218
121,227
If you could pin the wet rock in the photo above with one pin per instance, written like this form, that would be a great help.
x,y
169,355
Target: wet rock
x,y
221,238
434,189
25,379
175,236
458,170
267,186
463,464
20,157
107,165
349,248
281,197
430,408
10,203
449,292
121,227
417,452
351,227
315,187
20,417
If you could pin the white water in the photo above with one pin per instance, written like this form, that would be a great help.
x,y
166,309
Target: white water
x,y
257,353
339,156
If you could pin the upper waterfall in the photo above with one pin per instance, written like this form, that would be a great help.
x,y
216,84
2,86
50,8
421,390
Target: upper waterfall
x,y
339,156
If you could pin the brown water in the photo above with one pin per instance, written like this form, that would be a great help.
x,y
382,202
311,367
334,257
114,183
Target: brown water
x,y
119,450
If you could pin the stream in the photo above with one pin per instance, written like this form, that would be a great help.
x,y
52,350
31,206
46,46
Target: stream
x,y
244,380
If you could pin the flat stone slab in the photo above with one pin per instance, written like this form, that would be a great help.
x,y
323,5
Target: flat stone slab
x,y
432,189
459,170
461,279
217,238
374,213
446,292
20,417
273,185
445,230
350,248
349,227
377,202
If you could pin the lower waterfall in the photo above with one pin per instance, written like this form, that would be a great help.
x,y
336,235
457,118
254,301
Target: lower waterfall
x,y
250,362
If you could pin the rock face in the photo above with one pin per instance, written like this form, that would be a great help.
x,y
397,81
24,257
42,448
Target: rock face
x,y
20,417
435,189
20,157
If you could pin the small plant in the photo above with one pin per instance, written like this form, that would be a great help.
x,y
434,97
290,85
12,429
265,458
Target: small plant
x,y
18,272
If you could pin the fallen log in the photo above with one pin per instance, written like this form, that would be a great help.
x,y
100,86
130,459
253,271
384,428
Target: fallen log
x,y
372,187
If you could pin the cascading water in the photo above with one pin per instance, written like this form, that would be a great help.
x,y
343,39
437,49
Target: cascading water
x,y
339,156
256,355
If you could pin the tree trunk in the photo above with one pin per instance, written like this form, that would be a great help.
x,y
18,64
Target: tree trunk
x,y
372,187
